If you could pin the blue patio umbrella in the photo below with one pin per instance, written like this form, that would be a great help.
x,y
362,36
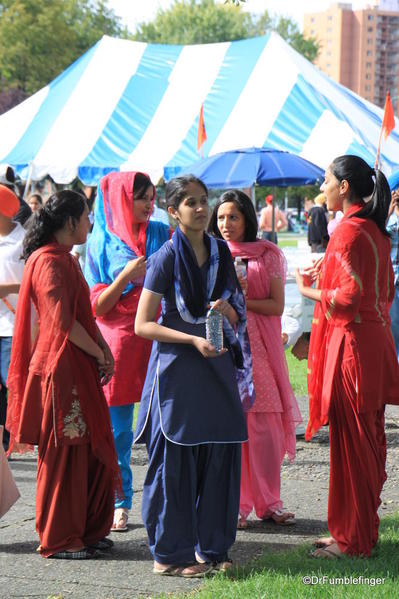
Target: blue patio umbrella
x,y
393,180
244,168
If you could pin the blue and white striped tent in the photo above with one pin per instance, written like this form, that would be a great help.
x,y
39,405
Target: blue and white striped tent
x,y
133,106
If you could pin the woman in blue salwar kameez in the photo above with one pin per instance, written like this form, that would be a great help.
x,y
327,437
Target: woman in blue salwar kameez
x,y
191,417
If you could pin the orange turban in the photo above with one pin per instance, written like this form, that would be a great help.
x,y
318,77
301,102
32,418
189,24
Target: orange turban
x,y
269,200
9,203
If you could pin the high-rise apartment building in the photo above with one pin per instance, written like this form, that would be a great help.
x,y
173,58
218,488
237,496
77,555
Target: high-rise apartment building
x,y
360,49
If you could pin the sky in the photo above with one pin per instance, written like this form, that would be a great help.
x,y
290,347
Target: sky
x,y
133,12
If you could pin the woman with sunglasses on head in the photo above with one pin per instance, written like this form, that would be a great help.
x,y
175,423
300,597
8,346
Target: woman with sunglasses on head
x,y
190,415
123,237
352,367
272,419
55,395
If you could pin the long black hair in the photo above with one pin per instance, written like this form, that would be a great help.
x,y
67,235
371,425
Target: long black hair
x,y
244,205
175,189
364,181
58,209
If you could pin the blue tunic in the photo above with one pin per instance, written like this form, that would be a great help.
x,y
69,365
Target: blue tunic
x,y
197,397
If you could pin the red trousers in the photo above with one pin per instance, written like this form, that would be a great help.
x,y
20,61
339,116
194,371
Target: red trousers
x,y
74,499
357,469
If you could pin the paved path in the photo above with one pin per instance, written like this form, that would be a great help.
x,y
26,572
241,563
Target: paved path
x,y
127,571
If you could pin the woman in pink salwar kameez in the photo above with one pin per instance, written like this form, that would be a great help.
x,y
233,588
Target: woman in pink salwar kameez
x,y
274,415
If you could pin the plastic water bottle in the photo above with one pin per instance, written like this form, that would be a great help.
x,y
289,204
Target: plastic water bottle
x,y
214,328
240,267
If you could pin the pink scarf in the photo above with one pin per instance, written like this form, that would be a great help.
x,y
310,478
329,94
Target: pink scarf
x,y
270,329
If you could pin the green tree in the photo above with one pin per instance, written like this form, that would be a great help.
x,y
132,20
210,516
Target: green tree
x,y
193,22
205,21
40,38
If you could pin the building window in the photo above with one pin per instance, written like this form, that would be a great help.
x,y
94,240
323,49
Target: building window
x,y
367,88
369,53
370,29
369,41
329,30
370,17
368,76
329,17
368,65
312,20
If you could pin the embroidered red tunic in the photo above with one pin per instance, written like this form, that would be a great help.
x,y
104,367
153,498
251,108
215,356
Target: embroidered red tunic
x,y
357,286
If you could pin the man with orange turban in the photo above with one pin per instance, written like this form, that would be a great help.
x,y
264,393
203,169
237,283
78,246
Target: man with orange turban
x,y
11,269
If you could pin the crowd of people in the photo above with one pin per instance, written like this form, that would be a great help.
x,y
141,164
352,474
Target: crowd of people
x,y
79,350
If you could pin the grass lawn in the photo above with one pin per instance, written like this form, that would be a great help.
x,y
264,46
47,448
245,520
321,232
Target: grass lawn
x,y
286,574
297,370
283,243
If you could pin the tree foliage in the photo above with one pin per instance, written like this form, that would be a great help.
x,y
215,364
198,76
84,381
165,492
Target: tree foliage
x,y
40,38
205,21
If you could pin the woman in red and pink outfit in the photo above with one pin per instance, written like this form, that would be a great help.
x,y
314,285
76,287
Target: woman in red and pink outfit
x,y
272,419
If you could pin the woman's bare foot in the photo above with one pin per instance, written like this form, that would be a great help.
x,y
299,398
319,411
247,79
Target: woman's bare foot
x,y
242,523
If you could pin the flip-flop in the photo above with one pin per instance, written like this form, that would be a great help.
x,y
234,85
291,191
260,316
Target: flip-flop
x,y
121,518
197,570
326,553
169,571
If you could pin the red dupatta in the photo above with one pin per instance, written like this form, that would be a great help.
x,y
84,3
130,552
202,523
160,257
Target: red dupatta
x,y
54,277
117,190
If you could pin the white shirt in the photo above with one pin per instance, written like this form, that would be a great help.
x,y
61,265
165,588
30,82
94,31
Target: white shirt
x,y
11,270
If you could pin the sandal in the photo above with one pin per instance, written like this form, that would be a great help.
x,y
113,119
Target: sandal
x,y
169,570
102,544
121,518
330,552
85,553
282,518
197,570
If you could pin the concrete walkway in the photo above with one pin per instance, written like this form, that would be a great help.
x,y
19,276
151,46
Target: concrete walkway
x,y
126,572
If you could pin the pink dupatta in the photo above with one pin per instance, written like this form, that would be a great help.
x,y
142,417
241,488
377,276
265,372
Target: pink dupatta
x,y
270,329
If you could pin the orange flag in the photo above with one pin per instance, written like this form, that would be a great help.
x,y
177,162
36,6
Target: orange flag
x,y
201,135
388,124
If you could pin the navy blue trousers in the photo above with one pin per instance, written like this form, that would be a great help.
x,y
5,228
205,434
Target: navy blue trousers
x,y
191,497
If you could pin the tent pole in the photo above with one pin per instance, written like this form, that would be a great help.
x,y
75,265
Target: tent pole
x,y
273,218
253,198
28,181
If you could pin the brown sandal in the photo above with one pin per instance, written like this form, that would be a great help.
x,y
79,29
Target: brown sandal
x,y
197,570
330,552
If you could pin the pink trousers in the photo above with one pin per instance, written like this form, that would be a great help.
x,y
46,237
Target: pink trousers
x,y
261,459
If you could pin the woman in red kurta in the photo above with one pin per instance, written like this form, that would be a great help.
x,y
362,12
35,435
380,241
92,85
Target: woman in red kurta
x,y
353,370
55,395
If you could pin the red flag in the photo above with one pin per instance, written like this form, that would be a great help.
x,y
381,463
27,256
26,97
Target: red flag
x,y
388,122
201,135
388,125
